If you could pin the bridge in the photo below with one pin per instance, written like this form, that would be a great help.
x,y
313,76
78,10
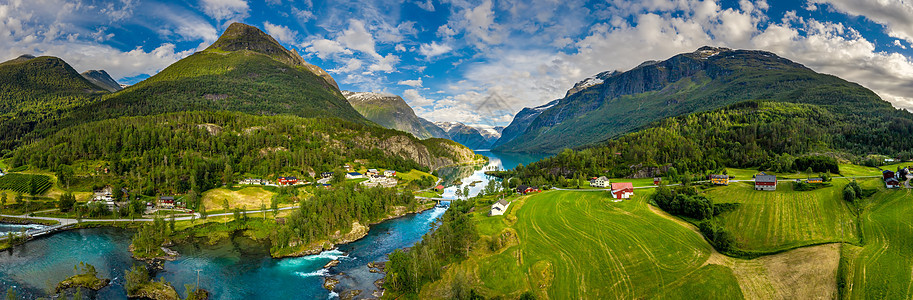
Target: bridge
x,y
437,199
31,234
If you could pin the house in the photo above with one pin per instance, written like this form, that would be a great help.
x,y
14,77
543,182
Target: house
x,y
522,189
326,174
815,180
602,182
439,188
499,208
622,190
371,172
287,180
389,173
719,179
354,175
657,180
347,167
888,174
764,182
166,202
375,181
253,181
892,183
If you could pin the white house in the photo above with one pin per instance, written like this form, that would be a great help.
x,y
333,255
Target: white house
x,y
372,172
354,175
388,173
499,208
602,182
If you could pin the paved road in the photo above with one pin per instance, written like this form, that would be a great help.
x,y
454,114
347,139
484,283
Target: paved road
x,y
677,184
65,221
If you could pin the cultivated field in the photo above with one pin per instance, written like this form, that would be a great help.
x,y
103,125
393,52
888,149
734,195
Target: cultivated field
x,y
245,198
883,267
22,183
581,245
785,219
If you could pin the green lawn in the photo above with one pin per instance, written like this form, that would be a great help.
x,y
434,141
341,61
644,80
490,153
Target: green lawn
x,y
883,267
771,221
582,245
708,282
247,197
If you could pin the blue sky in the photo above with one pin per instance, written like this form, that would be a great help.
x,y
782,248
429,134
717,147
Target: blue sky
x,y
473,61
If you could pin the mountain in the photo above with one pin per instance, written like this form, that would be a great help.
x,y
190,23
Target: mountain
x,y
707,79
521,121
491,135
465,135
35,89
391,111
102,79
245,70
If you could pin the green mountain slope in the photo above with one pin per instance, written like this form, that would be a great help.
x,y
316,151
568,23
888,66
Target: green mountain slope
x,y
36,89
246,70
173,153
765,134
704,80
465,135
391,111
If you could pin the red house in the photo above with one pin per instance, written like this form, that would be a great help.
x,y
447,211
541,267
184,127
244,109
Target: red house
x,y
522,189
622,190
657,180
439,188
287,180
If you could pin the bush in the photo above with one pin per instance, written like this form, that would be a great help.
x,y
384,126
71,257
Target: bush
x,y
717,235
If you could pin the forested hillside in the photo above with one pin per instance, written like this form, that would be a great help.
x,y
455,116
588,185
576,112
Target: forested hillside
x,y
175,153
38,89
704,80
770,135
391,111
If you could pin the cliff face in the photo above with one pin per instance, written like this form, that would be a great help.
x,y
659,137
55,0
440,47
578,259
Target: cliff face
x,y
433,153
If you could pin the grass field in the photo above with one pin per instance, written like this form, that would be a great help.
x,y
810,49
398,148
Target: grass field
x,y
883,267
581,245
247,198
786,219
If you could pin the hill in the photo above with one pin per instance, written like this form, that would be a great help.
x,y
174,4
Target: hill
x,y
707,79
37,89
102,79
465,135
391,111
245,70
177,152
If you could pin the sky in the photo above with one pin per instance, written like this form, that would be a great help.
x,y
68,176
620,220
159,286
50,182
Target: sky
x,y
474,61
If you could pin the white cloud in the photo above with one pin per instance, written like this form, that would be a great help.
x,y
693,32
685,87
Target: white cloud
x,y
895,15
415,99
899,44
400,48
417,83
384,64
426,5
280,32
324,48
434,49
356,37
225,9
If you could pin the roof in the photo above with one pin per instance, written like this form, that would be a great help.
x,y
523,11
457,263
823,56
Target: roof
x,y
622,185
372,170
892,179
439,187
291,178
522,188
354,173
765,178
719,176
603,178
503,202
166,198
816,179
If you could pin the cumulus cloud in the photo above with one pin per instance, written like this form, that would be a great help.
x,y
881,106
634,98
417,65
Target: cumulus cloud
x,y
280,32
434,49
415,99
323,48
417,83
895,15
225,9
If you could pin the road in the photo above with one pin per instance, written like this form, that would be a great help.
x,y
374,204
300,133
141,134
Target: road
x,y
65,221
677,184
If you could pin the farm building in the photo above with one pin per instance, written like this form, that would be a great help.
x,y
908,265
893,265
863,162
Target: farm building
x,y
657,180
719,179
622,190
499,208
522,189
354,175
389,173
371,172
347,167
888,174
602,182
166,202
254,181
439,188
326,174
892,183
375,181
288,180
815,180
764,182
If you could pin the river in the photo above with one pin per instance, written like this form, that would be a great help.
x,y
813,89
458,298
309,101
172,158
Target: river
x,y
236,268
